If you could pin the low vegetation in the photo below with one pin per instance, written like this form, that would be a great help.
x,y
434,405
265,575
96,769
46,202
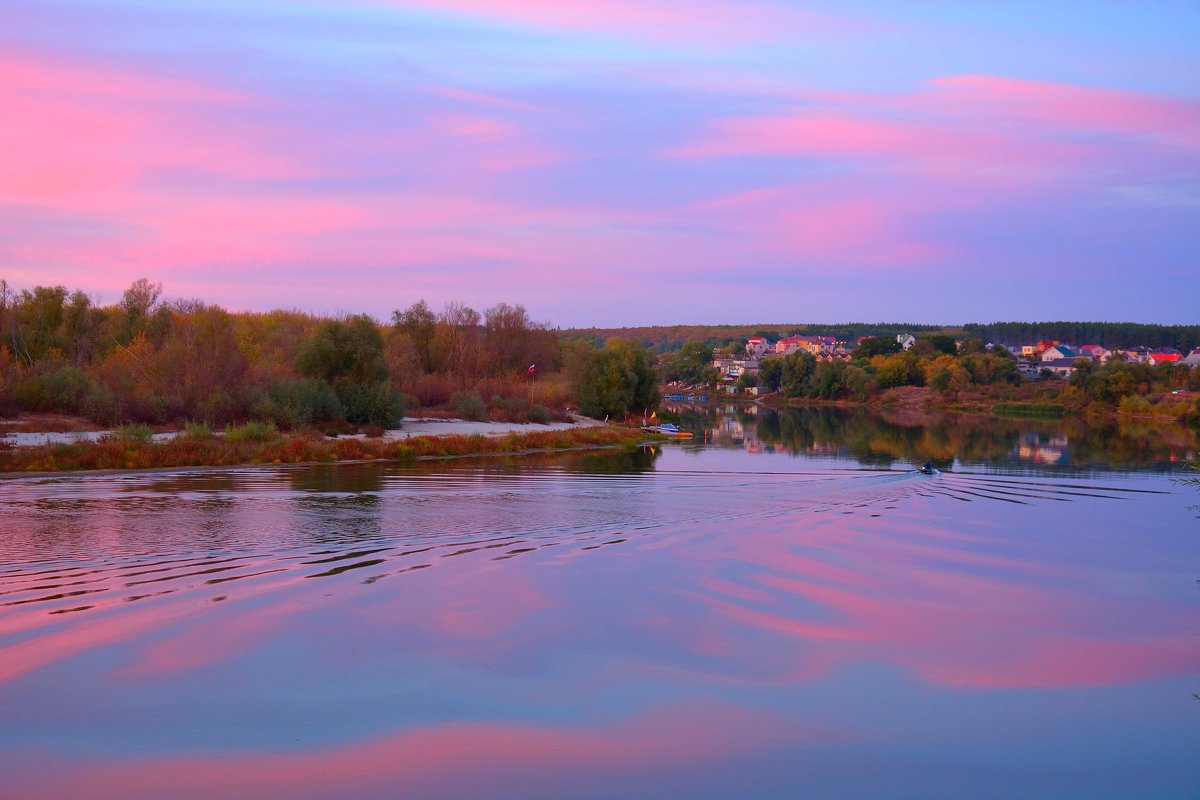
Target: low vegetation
x,y
184,451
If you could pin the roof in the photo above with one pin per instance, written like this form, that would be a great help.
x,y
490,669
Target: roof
x,y
1164,358
1057,362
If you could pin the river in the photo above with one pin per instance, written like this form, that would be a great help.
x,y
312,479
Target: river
x,y
780,607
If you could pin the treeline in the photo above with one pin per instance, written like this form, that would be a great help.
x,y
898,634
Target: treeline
x,y
802,375
1107,334
147,359
936,362
669,338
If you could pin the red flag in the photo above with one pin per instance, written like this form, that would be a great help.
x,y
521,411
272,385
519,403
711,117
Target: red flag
x,y
532,369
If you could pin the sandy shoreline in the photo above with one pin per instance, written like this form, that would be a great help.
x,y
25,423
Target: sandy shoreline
x,y
410,427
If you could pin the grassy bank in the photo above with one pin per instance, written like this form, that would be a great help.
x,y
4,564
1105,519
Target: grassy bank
x,y
133,453
1028,410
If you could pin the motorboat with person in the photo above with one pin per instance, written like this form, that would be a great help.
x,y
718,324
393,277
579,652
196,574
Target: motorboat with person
x,y
928,469
669,429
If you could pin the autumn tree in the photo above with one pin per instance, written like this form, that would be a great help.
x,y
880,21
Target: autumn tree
x,y
419,323
349,356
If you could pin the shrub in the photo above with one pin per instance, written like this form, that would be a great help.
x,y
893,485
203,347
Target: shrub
x,y
372,404
66,389
470,405
430,390
197,431
539,413
299,403
134,433
513,409
253,431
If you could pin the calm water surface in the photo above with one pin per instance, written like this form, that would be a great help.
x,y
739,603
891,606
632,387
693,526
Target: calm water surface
x,y
780,609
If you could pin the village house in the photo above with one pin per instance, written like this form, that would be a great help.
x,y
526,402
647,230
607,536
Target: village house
x,y
1062,367
1036,350
1058,352
732,368
809,344
1164,355
757,347
1095,352
906,340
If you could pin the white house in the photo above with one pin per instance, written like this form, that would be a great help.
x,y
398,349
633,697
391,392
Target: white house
x,y
1059,352
906,340
757,347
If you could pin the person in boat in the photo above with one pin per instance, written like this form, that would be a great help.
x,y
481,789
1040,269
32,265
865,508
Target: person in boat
x,y
927,469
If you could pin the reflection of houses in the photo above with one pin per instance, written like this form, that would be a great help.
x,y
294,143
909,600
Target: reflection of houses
x,y
729,430
1032,448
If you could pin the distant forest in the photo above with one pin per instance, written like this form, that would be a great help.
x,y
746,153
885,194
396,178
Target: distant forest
x,y
668,338
1107,334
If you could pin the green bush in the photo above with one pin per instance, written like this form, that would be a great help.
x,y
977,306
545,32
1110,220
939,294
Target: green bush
x,y
374,403
470,405
197,431
134,433
253,431
66,389
299,403
539,413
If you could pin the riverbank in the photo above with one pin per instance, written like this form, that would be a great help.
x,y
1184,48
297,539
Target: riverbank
x,y
113,453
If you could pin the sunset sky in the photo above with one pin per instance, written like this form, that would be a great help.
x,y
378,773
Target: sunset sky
x,y
609,162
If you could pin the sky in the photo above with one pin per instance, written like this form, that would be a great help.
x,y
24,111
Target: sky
x,y
610,162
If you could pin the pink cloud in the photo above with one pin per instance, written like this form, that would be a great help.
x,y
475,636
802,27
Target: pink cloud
x,y
995,129
926,147
831,221
905,161
1174,121
79,132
